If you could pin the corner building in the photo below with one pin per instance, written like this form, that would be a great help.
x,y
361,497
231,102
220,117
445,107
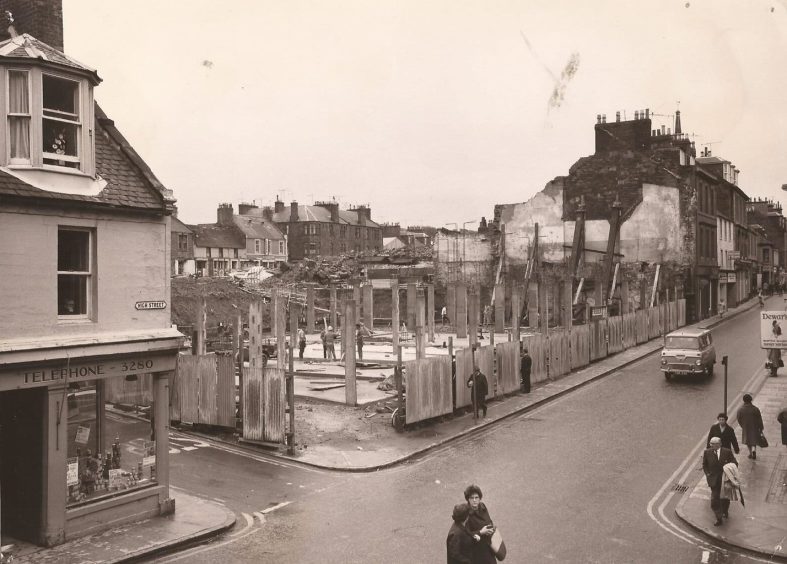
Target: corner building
x,y
85,237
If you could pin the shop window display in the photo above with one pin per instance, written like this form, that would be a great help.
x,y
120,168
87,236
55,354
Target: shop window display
x,y
109,453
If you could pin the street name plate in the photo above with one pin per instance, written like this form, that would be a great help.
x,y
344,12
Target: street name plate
x,y
150,305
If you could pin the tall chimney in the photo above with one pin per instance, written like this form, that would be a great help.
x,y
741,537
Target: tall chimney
x,y
43,19
224,214
293,211
617,116
278,206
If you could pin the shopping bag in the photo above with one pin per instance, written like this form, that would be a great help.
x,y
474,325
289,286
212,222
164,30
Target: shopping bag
x,y
498,545
762,442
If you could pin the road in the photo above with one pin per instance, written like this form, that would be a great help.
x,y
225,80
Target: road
x,y
588,478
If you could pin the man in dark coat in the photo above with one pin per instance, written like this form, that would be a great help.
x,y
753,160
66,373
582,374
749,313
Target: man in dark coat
x,y
724,432
459,544
750,420
713,460
526,363
478,380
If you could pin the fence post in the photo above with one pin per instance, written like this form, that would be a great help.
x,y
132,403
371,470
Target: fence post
x,y
395,315
291,375
348,338
201,329
420,345
237,349
430,311
309,308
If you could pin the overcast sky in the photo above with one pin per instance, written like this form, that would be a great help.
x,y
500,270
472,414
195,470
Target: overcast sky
x,y
430,111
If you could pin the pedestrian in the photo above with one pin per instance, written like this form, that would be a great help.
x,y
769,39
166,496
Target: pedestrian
x,y
330,340
324,344
724,432
750,420
359,340
459,544
526,363
301,343
444,315
479,388
480,523
782,419
713,460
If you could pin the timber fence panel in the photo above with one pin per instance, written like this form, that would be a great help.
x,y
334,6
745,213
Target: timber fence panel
x,y
614,334
559,354
664,315
642,325
654,322
206,406
428,388
629,330
225,400
580,346
274,405
485,360
464,367
252,403
539,352
508,367
673,315
681,312
188,369
598,339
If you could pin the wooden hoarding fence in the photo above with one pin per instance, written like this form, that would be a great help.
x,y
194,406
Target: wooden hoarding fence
x,y
559,354
428,388
580,346
508,367
615,334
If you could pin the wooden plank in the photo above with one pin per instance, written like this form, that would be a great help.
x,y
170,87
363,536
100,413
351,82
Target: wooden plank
x,y
188,367
615,334
428,388
559,354
629,330
225,398
539,352
274,402
642,317
508,379
206,406
580,346
654,322
485,359
252,403
681,312
174,395
464,367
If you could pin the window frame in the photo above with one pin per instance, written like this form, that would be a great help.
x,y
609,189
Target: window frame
x,y
89,274
8,115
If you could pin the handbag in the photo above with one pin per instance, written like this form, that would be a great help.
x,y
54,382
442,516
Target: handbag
x,y
498,545
762,442
781,363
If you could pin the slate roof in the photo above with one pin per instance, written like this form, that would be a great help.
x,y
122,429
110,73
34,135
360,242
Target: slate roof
x,y
179,227
257,228
321,214
214,235
26,47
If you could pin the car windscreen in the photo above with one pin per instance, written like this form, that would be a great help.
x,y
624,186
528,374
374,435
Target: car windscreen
x,y
683,343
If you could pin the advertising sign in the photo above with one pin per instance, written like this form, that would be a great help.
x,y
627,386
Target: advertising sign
x,y
734,254
598,312
72,472
83,434
773,329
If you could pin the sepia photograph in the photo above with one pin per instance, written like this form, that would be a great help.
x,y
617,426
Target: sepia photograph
x,y
393,281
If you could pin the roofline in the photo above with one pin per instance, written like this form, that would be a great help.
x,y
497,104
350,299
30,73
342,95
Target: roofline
x,y
28,61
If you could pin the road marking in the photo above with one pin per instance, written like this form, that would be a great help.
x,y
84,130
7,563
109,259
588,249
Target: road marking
x,y
275,507
188,448
260,516
174,451
249,524
705,557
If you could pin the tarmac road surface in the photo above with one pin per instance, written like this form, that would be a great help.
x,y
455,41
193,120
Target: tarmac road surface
x,y
576,480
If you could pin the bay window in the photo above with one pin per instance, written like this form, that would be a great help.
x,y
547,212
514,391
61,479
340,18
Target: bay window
x,y
60,126
19,117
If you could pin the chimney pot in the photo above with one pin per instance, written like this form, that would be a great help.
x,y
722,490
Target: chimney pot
x,y
617,116
598,118
647,113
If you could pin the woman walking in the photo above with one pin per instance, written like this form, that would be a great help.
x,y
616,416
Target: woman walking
x,y
480,523
750,420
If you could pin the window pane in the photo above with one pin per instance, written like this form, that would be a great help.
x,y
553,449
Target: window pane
x,y
19,137
73,249
61,98
60,138
18,96
71,294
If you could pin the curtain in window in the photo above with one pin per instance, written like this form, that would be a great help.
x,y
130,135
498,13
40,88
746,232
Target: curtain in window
x,y
19,125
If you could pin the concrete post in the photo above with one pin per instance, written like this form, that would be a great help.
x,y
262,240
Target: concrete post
x,y
332,321
348,340
54,456
516,312
411,305
202,318
420,340
472,315
309,308
357,300
256,309
368,305
500,308
430,311
395,314
280,329
450,298
460,321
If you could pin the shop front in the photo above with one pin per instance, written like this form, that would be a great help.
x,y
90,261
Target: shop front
x,y
74,462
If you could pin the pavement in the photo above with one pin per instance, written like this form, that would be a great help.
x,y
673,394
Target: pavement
x,y
195,520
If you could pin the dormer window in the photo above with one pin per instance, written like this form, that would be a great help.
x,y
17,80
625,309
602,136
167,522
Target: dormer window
x,y
61,126
48,118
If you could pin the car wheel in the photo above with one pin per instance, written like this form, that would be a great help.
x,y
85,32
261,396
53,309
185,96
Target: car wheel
x,y
668,375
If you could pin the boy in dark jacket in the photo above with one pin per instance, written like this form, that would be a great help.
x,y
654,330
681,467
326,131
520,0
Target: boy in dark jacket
x,y
459,544
481,389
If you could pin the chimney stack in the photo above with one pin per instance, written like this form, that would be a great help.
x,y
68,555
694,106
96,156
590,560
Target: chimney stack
x,y
598,118
278,206
293,211
267,213
617,116
43,19
224,214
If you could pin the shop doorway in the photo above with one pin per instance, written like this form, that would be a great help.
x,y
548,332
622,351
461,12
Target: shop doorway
x,y
21,463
